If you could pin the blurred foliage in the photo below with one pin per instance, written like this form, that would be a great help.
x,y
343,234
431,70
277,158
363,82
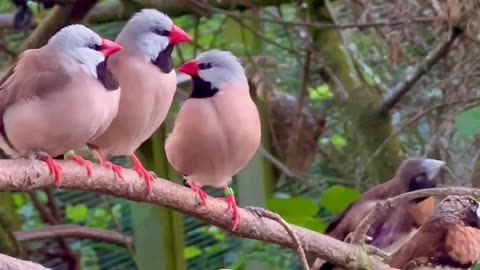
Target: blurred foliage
x,y
334,179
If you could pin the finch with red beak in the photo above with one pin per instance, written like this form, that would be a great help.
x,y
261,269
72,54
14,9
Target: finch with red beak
x,y
59,97
217,130
145,72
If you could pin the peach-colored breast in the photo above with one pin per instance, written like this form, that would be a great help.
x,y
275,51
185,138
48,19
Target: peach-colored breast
x,y
147,94
463,244
214,138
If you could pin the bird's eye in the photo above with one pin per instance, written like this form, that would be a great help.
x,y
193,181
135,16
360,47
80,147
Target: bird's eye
x,y
205,66
421,178
95,47
162,32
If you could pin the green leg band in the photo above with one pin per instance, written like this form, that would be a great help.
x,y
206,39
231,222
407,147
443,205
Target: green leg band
x,y
229,191
67,154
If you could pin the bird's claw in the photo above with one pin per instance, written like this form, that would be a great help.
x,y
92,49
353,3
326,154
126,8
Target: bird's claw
x,y
87,164
146,175
54,169
116,169
200,193
232,205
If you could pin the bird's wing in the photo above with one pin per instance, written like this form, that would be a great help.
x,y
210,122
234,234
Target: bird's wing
x,y
37,73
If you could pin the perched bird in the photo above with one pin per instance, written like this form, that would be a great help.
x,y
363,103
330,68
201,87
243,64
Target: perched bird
x,y
145,72
391,231
217,130
59,97
451,237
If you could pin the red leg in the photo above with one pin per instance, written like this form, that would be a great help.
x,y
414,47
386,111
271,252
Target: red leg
x,y
142,172
231,204
198,190
117,170
54,168
83,162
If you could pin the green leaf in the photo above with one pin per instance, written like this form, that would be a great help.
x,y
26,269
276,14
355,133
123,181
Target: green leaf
x,y
191,252
216,233
117,211
310,223
18,200
100,218
88,259
338,140
293,207
322,92
76,213
467,123
336,198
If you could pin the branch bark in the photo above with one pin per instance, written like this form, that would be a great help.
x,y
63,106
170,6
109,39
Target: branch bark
x,y
399,90
174,8
10,263
73,231
27,175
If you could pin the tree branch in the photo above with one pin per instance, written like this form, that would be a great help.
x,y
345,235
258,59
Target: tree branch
x,y
10,263
383,207
27,175
73,231
399,90
174,8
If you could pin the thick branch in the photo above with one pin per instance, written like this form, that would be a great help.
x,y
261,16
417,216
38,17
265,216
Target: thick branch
x,y
9,263
73,231
399,90
25,175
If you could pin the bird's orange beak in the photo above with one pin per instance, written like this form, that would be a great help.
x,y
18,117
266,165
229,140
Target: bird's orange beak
x,y
177,35
189,68
109,47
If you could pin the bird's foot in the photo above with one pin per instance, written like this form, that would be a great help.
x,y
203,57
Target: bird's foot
x,y
232,205
87,164
53,167
142,172
200,193
117,170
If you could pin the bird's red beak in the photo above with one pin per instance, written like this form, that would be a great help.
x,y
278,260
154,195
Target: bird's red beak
x,y
109,47
177,35
189,68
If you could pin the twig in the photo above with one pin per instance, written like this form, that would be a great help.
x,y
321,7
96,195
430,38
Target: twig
x,y
273,216
383,207
412,120
317,25
278,164
73,231
24,175
399,90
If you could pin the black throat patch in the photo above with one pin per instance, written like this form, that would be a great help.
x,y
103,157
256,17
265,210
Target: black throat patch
x,y
106,77
164,59
202,89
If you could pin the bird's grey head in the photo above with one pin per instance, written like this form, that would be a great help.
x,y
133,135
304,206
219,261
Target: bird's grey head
x,y
81,43
216,67
420,173
150,32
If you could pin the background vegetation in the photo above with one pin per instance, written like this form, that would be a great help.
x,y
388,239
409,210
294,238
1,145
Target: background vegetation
x,y
322,74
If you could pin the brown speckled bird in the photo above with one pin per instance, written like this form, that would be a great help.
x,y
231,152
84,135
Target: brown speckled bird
x,y
451,237
393,230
